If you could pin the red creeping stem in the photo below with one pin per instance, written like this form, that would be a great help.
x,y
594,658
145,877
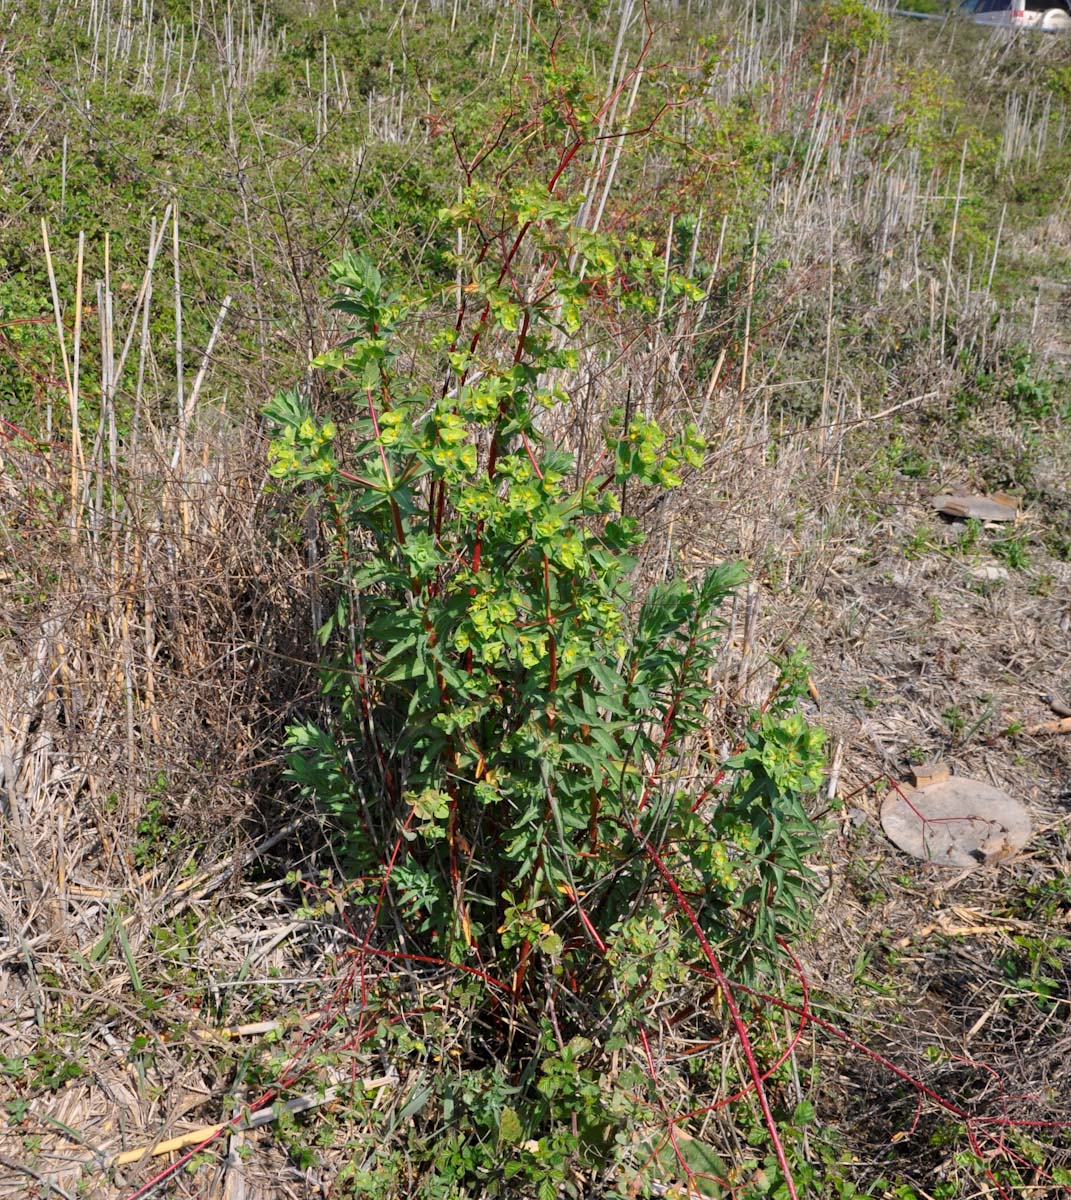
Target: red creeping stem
x,y
293,1074
734,1012
782,1058
586,920
671,1124
924,819
969,1121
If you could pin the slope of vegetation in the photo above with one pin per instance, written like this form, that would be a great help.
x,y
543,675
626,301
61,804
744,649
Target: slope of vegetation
x,y
469,580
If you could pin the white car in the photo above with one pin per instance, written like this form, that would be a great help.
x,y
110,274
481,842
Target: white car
x,y
1050,16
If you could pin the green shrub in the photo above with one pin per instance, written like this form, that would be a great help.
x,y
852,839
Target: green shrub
x,y
512,754
522,738
847,27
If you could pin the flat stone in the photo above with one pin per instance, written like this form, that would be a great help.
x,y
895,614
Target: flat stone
x,y
990,574
956,823
998,507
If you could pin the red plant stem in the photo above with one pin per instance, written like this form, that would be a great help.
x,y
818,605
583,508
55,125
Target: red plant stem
x,y
439,490
388,868
519,974
522,233
725,1101
782,1058
921,816
351,478
267,1097
671,1124
436,961
734,1012
531,456
586,920
863,787
566,159
593,816
962,1114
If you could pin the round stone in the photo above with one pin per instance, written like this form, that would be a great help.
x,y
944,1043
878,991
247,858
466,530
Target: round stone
x,y
956,823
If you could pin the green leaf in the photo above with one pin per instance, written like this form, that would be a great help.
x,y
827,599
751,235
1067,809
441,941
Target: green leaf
x,y
510,1129
402,654
577,752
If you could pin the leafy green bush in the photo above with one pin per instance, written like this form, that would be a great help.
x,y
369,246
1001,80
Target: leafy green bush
x,y
512,754
522,738
849,28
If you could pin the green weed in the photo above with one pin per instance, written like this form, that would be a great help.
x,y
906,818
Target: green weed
x,y
516,717
1013,550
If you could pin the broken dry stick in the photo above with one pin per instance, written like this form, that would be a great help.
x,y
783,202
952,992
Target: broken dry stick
x,y
262,1116
1063,726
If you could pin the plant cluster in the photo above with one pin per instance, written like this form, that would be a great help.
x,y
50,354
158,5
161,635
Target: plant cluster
x,y
513,753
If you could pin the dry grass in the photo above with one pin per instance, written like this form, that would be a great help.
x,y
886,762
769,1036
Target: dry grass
x,y
157,631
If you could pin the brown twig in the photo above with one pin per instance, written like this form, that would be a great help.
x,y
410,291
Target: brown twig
x,y
1061,726
262,1116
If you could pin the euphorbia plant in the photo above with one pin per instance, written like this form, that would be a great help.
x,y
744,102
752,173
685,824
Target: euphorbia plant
x,y
510,732
513,710
522,727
